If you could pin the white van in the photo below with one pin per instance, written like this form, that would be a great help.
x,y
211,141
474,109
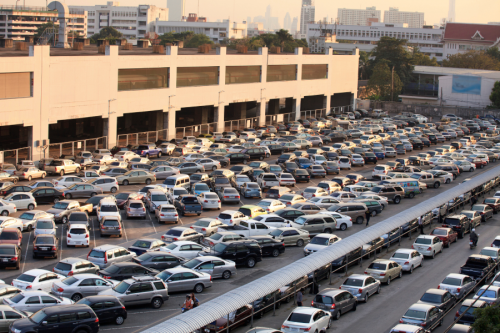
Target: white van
x,y
107,207
178,181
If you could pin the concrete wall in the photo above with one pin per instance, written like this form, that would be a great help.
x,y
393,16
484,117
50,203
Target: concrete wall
x,y
68,87
465,100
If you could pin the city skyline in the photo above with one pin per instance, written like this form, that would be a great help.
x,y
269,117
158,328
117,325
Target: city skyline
x,y
231,9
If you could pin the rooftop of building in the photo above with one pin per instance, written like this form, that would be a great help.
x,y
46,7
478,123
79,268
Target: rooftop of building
x,y
447,71
472,31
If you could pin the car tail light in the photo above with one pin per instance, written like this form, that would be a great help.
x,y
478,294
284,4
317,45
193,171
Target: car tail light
x,y
105,258
382,274
423,324
458,290
128,209
29,287
457,314
412,247
332,307
400,321
406,263
360,290
69,235
230,221
13,258
53,248
35,248
429,248
226,197
283,326
203,229
366,272
60,289
86,235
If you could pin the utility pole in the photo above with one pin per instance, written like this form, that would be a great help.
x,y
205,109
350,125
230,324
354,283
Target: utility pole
x,y
392,84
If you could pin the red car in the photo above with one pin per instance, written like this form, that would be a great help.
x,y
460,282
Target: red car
x,y
446,235
11,236
494,203
478,162
124,197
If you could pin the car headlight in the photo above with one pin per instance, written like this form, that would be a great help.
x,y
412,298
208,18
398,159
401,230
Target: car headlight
x,y
15,330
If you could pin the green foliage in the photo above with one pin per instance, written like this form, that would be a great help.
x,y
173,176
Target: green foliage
x,y
41,28
380,81
420,59
393,52
364,65
270,40
494,52
284,36
487,319
171,37
495,95
109,33
472,59
197,40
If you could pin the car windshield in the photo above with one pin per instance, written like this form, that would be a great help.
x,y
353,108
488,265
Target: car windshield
x,y
452,281
17,298
69,280
61,205
487,293
122,287
44,241
159,197
192,263
490,253
415,314
300,220
353,282
220,247
320,241
425,241
26,278
440,232
401,255
107,208
142,244
221,180
431,298
276,233
122,196
44,225
299,318
36,317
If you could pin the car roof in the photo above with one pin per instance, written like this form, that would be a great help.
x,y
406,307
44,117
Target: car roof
x,y
421,307
331,292
182,243
477,303
305,310
178,228
404,251
36,272
64,308
72,260
436,291
107,247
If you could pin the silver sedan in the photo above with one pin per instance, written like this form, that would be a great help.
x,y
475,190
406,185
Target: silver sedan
x,y
209,164
361,286
184,279
81,191
79,286
216,267
164,171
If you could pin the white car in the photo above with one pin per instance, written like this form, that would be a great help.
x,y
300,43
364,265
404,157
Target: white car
x,y
235,149
490,296
446,176
242,179
323,202
45,226
307,319
286,179
381,170
37,279
209,200
66,181
184,249
104,159
30,301
271,205
458,284
344,162
407,328
156,198
231,217
125,156
7,208
272,220
78,234
319,242
344,196
144,191
167,148
408,259
22,200
11,222
318,159
313,191
382,200
105,183
29,218
192,157
428,245
357,159
174,193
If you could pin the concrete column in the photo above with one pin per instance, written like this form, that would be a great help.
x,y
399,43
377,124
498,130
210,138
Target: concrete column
x,y
327,102
261,107
112,129
243,110
219,117
171,123
298,100
165,119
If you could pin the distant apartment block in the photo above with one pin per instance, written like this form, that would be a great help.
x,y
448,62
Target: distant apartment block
x,y
307,15
176,9
216,31
413,19
358,16
132,22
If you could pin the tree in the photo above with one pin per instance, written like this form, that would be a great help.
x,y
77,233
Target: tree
x,y
420,59
380,81
473,60
41,28
270,40
109,33
495,95
197,40
494,52
284,36
172,36
393,51
364,62
487,319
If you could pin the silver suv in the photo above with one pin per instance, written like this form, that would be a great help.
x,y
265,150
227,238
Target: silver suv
x,y
71,266
140,290
106,255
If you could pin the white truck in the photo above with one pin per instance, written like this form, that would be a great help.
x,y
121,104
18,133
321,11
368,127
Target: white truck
x,y
62,167
428,179
248,229
267,180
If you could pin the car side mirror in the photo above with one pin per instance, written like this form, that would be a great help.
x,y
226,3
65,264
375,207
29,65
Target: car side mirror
x,y
127,292
169,280
44,323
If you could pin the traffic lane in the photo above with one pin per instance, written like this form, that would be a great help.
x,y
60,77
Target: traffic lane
x,y
394,300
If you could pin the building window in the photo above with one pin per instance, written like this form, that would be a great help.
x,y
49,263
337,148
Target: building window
x,y
243,74
143,78
314,72
197,76
15,85
281,73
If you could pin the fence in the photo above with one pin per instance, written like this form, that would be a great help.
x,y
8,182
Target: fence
x,y
124,140
14,156
313,113
280,118
341,109
240,296
195,130
56,150
240,124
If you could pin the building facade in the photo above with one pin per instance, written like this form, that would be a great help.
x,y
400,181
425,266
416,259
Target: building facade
x,y
413,19
216,31
176,10
307,15
365,38
20,24
112,94
358,16
463,37
132,22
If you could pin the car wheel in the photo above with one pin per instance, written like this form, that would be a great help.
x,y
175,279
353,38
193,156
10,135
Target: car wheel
x,y
56,200
436,184
113,190
125,182
359,220
300,243
275,253
159,154
482,166
411,195
400,274
68,196
31,207
343,226
119,320
214,168
148,181
411,269
93,194
250,262
5,213
471,169
337,316
29,178
366,298
378,290
329,322
261,158
43,175
328,231
397,200
374,213
61,173
448,181
156,303
433,255
245,161
198,288
76,297
226,275
64,219
388,280
147,156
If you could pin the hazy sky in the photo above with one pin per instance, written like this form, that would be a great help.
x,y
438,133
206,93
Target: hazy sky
x,y
478,11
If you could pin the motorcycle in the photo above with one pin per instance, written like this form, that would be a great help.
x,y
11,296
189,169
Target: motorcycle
x,y
472,245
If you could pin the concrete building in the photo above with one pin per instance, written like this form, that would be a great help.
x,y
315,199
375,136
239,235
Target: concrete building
x,y
255,29
347,16
413,19
217,31
307,15
122,92
450,86
176,9
19,23
451,11
287,22
132,22
462,37
365,38
295,25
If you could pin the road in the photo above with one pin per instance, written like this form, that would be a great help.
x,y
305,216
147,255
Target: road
x,y
141,317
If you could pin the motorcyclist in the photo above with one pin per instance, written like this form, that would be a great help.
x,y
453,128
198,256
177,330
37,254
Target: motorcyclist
x,y
188,303
473,236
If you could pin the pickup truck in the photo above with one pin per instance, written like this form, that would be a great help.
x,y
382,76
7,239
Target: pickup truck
x,y
267,180
63,208
188,204
147,150
248,229
428,179
478,266
89,174
62,167
25,164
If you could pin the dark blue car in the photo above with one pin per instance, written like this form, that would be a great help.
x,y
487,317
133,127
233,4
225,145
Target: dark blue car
x,y
147,150
380,154
303,163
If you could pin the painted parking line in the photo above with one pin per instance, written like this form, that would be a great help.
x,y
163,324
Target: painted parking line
x,y
124,230
152,222
26,255
93,229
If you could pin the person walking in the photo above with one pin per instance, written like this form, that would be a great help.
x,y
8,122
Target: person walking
x,y
473,201
421,225
367,215
288,224
300,295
